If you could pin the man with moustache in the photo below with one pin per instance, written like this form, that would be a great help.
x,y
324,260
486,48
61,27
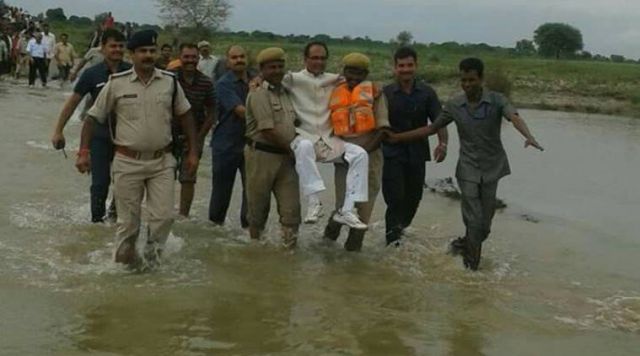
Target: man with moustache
x,y
91,82
412,104
477,113
311,90
360,122
198,89
269,159
227,140
143,101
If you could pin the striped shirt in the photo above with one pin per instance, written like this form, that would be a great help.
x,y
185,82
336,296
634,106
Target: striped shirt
x,y
200,94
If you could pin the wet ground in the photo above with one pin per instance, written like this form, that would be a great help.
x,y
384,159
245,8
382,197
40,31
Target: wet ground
x,y
560,276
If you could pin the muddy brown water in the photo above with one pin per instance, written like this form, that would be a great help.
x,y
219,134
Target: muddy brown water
x,y
560,276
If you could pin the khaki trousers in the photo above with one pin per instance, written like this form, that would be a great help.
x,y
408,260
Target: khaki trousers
x,y
364,209
132,179
271,173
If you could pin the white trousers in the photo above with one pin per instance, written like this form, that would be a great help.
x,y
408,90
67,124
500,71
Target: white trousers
x,y
310,180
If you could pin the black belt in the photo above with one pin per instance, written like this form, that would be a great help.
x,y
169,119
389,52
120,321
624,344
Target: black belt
x,y
266,147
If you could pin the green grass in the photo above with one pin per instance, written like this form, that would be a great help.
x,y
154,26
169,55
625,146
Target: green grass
x,y
534,81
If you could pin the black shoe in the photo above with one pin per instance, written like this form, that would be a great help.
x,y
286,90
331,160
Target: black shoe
x,y
457,246
471,256
354,240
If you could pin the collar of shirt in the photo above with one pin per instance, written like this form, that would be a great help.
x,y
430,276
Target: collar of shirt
x,y
156,74
464,101
415,86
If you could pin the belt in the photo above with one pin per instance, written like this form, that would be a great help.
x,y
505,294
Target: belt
x,y
266,147
143,156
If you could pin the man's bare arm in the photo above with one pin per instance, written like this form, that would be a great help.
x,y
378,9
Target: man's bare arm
x,y
522,127
69,107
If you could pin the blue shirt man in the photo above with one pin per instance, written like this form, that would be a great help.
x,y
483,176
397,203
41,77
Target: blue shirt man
x,y
411,105
92,80
227,140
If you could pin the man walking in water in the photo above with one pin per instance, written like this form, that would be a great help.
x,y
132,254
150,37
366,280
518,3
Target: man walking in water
x,y
91,82
478,114
143,101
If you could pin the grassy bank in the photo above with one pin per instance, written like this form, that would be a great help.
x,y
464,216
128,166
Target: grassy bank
x,y
566,85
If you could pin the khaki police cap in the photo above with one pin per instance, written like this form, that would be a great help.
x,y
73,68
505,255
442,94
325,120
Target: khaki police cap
x,y
203,44
356,60
270,54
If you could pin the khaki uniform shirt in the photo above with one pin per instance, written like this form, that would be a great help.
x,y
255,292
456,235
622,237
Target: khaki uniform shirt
x,y
270,107
64,54
482,157
142,111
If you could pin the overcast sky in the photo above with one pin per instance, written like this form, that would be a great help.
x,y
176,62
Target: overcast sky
x,y
608,27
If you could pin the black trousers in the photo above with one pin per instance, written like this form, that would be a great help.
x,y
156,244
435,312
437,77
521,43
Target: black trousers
x,y
402,187
224,170
39,64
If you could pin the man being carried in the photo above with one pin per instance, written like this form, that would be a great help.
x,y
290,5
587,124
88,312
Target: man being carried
x,y
270,167
358,112
311,91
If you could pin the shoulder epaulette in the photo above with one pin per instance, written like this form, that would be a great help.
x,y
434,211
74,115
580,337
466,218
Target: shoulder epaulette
x,y
121,74
166,72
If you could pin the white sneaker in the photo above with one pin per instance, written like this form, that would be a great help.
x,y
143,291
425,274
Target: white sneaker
x,y
314,212
350,219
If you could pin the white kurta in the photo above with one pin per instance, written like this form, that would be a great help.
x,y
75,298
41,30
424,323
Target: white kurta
x,y
310,95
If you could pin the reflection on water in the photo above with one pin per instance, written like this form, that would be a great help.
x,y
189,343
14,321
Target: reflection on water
x,y
559,277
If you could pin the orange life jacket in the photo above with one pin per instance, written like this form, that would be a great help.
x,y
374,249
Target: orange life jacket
x,y
352,111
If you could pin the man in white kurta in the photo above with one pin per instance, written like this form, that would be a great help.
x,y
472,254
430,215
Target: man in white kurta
x,y
311,91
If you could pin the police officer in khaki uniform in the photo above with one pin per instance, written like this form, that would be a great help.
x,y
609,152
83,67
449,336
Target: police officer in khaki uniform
x,y
356,70
140,104
269,161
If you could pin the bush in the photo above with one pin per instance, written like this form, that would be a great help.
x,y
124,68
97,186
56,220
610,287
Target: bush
x,y
498,80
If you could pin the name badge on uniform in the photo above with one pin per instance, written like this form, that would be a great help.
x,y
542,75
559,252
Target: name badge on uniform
x,y
130,96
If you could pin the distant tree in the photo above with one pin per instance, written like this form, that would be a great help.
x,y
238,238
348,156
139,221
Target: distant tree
x,y
99,18
404,38
56,15
195,13
321,37
585,55
80,21
616,58
556,39
525,46
601,58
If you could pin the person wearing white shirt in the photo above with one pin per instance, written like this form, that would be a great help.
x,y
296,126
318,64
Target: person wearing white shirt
x,y
207,62
311,91
49,39
37,51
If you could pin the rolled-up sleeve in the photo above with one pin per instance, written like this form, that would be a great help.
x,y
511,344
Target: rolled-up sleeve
x,y
445,117
508,110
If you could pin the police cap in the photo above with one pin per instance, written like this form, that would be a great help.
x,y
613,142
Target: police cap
x,y
143,38
356,60
270,54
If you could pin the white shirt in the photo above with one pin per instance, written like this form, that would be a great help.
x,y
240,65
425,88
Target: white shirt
x,y
50,41
207,66
310,95
37,50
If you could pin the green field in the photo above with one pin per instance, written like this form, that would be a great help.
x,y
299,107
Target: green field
x,y
568,85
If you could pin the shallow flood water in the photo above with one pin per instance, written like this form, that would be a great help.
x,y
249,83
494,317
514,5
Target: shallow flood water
x,y
559,277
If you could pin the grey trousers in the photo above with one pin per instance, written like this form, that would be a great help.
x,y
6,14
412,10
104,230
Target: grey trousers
x,y
478,208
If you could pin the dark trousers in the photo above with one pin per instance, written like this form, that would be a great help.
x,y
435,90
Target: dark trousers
x,y
224,168
402,185
63,72
39,64
478,208
101,156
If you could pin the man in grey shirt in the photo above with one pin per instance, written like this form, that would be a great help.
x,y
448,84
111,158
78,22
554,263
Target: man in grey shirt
x,y
478,114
